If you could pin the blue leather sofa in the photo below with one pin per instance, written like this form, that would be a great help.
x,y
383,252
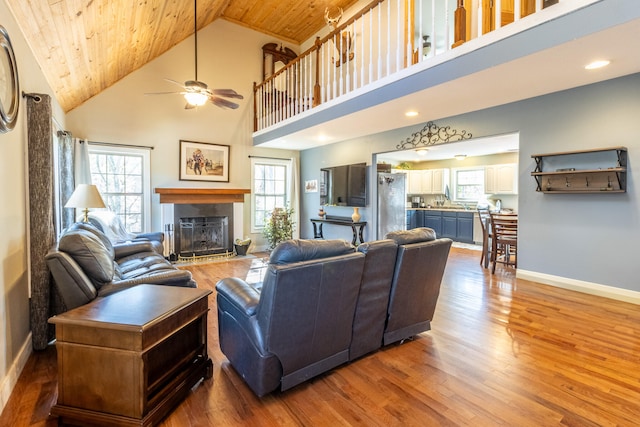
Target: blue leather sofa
x,y
323,303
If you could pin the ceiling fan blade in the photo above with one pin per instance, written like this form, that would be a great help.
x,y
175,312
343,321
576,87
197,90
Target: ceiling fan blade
x,y
223,103
227,93
176,83
163,93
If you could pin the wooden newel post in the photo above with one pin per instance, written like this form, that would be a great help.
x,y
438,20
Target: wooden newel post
x,y
460,25
255,107
316,86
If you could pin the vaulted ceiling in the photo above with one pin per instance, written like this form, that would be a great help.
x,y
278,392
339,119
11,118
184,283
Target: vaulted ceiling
x,y
85,46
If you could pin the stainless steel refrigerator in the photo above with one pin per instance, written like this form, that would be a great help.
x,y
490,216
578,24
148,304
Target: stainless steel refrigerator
x,y
392,200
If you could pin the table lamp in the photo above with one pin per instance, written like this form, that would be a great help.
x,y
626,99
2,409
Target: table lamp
x,y
85,196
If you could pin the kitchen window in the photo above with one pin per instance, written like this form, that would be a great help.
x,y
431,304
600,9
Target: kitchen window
x,y
468,184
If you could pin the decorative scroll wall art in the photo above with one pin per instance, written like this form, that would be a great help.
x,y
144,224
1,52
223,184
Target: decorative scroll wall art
x,y
432,134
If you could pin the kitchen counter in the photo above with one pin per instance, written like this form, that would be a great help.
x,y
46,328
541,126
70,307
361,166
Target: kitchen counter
x,y
441,208
457,209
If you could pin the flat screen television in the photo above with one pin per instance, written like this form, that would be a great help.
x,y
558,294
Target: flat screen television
x,y
344,185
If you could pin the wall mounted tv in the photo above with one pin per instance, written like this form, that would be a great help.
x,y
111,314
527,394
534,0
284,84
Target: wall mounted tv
x,y
344,185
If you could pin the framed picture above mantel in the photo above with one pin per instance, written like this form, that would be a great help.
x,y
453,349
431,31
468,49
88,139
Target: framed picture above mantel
x,y
200,161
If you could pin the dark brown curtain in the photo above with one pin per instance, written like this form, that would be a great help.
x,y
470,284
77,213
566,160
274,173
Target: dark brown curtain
x,y
42,236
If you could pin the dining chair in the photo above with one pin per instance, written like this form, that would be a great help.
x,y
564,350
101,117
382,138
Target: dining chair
x,y
485,219
504,242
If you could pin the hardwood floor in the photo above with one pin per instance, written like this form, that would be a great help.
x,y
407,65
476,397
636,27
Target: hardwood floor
x,y
502,351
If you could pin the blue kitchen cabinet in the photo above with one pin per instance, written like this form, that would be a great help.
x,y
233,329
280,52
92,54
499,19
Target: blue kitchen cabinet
x,y
433,219
449,225
465,227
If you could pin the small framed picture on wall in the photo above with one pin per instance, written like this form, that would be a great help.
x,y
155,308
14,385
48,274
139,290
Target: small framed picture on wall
x,y
200,161
311,186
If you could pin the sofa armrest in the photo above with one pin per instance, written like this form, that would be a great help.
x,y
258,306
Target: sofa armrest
x,y
240,294
157,236
73,284
180,278
132,247
170,277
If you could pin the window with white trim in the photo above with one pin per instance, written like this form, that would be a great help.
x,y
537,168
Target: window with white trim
x,y
270,180
468,184
123,177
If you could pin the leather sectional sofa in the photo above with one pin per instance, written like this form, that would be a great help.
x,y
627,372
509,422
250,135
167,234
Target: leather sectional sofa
x,y
85,265
323,303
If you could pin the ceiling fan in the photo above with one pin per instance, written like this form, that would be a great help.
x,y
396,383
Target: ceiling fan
x,y
197,93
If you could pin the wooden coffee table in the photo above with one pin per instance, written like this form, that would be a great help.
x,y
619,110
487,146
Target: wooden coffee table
x,y
129,358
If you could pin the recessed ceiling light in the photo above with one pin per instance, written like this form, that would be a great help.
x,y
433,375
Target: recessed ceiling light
x,y
411,113
597,64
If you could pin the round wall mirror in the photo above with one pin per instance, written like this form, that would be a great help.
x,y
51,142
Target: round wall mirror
x,y
9,88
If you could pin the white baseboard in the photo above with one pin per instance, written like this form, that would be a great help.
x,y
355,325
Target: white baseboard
x,y
11,378
619,294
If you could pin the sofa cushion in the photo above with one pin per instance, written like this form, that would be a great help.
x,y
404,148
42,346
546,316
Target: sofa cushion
x,y
90,253
86,226
111,225
415,235
304,250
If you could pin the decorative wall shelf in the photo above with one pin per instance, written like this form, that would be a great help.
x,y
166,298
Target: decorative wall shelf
x,y
602,170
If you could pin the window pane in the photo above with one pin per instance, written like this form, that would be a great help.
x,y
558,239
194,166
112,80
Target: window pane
x,y
469,184
269,190
120,179
133,184
133,166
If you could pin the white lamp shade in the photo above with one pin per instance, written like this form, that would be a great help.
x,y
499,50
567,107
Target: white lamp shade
x,y
85,196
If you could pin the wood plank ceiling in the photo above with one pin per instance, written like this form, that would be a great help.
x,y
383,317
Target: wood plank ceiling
x,y
85,46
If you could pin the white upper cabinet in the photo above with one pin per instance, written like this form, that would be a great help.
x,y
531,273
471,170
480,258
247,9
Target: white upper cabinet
x,y
501,179
428,181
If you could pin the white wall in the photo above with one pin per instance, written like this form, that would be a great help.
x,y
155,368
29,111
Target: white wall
x,y
230,56
15,341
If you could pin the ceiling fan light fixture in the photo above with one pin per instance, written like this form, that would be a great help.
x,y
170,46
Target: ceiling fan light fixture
x,y
197,99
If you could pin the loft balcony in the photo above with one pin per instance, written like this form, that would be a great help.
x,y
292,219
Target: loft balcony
x,y
442,57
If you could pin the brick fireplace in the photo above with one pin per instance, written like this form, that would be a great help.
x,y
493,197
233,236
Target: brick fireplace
x,y
201,221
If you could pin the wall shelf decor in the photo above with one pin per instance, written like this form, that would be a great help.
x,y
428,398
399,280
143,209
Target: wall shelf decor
x,y
601,170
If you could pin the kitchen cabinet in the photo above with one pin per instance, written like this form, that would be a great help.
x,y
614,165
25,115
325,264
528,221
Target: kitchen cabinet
x,y
414,182
416,220
501,179
455,225
428,181
449,225
465,227
601,170
433,219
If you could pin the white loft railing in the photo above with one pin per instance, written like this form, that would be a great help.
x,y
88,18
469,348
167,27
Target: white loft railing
x,y
385,37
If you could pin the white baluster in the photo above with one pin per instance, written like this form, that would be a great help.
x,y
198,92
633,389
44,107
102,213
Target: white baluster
x,y
447,26
434,42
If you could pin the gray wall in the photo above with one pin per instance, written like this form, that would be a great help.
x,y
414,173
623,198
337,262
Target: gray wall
x,y
586,237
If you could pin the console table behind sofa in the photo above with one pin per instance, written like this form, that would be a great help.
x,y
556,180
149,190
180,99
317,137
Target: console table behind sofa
x,y
356,227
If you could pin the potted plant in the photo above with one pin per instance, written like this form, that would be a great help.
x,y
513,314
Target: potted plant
x,y
278,226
